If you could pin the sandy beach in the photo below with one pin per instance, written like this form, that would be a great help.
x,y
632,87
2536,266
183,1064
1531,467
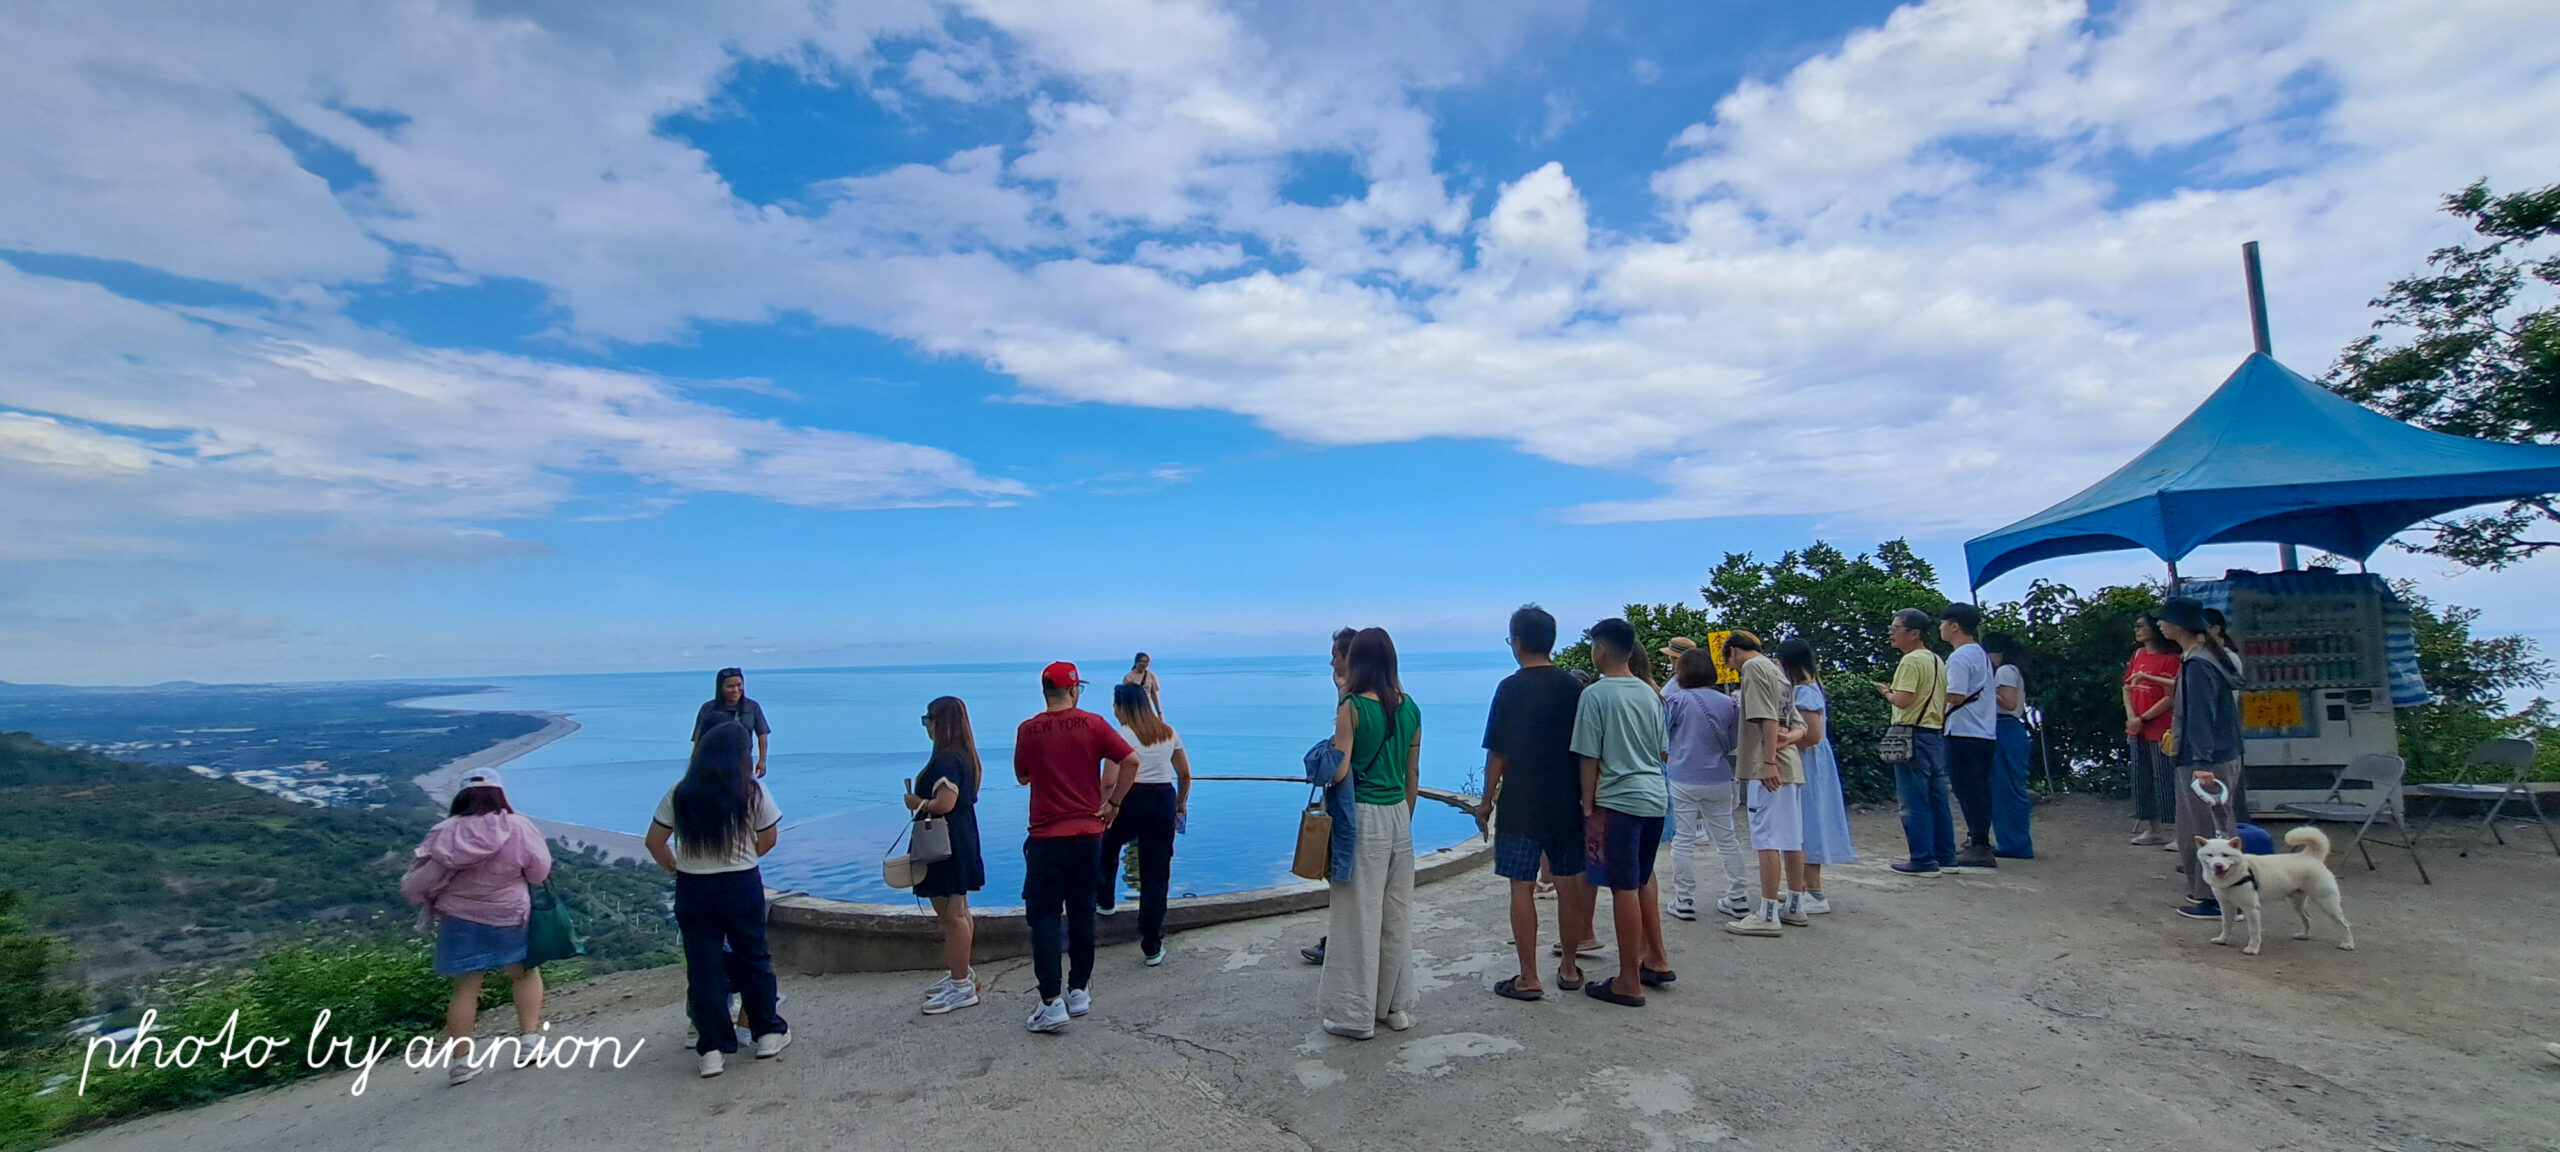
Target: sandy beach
x,y
441,784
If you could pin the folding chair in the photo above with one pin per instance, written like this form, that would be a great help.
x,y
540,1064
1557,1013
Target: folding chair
x,y
2517,757
2381,774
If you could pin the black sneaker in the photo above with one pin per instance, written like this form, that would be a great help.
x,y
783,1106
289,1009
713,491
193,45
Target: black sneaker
x,y
1916,867
1313,953
2201,910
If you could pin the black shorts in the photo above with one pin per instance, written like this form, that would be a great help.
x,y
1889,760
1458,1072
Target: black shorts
x,y
1627,848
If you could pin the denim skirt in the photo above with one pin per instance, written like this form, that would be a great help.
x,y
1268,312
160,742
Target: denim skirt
x,y
466,946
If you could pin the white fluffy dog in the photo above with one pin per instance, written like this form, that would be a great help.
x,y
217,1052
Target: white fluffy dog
x,y
2241,882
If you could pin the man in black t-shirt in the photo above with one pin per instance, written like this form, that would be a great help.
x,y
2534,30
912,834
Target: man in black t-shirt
x,y
729,705
1533,792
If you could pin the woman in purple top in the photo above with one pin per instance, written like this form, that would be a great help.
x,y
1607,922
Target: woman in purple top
x,y
469,879
1701,719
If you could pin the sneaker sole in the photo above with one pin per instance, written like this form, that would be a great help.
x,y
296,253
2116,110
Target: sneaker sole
x,y
940,1009
1047,1029
1679,915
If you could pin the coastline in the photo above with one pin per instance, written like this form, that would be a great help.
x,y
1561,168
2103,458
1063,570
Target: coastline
x,y
443,782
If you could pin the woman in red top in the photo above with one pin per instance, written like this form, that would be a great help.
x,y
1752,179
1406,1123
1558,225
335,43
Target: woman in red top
x,y
2150,681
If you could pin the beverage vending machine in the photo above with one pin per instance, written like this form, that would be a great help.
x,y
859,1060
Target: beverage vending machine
x,y
2327,659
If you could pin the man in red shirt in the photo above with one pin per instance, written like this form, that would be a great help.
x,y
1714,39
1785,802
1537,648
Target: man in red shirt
x,y
1061,753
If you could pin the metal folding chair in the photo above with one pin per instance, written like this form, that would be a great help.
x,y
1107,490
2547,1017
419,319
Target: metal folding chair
x,y
2381,775
2516,757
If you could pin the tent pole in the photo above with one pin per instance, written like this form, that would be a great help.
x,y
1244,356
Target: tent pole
x,y
2287,559
2257,299
2173,577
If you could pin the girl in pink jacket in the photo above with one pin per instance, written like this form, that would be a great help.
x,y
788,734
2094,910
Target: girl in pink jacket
x,y
469,878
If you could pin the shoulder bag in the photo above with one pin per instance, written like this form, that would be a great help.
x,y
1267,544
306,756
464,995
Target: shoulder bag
x,y
901,871
549,934
1313,859
1898,743
930,841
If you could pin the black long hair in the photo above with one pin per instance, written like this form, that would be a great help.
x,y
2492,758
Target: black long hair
x,y
1371,664
715,803
1795,657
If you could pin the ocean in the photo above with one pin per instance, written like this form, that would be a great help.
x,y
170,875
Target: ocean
x,y
846,740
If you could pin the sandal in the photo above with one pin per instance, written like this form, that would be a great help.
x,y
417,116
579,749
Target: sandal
x,y
1509,987
1573,984
1588,948
1656,977
1600,990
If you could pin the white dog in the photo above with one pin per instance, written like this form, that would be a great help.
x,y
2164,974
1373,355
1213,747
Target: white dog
x,y
2242,881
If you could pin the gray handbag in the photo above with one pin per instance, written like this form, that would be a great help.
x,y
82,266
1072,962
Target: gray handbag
x,y
931,843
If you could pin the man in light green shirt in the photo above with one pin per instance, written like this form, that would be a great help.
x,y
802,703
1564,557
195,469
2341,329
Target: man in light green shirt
x,y
1620,733
1918,694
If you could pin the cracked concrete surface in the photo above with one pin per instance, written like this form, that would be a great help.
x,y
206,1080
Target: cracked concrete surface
x,y
2058,1005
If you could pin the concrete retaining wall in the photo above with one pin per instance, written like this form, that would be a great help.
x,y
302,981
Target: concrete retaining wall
x,y
813,934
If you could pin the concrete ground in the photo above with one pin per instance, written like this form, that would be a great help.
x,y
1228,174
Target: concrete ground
x,y
2056,1004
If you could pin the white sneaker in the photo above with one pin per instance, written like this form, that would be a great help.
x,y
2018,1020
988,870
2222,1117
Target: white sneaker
x,y
1155,958
1348,1032
953,998
771,1044
1050,1017
1398,1021
1684,908
1754,926
712,1063
1079,1001
1734,906
460,1073
939,987
1812,905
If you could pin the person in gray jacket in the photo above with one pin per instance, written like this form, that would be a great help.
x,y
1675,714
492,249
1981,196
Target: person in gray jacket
x,y
2204,728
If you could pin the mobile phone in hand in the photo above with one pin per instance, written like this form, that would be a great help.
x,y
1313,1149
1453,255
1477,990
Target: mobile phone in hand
x,y
1181,823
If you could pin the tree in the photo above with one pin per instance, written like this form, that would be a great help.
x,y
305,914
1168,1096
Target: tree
x,y
2469,677
2076,651
34,1003
1839,603
2481,363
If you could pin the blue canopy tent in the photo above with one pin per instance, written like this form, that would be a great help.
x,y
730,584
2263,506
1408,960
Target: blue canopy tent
x,y
2273,458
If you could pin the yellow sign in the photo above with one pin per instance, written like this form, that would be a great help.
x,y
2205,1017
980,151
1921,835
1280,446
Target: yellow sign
x,y
2278,711
1715,648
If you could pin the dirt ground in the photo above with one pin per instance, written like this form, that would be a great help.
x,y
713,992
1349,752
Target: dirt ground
x,y
2056,1004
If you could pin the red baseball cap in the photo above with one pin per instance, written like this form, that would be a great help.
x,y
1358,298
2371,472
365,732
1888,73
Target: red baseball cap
x,y
1060,675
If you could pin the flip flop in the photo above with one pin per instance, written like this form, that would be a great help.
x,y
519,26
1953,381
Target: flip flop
x,y
1510,987
1656,977
1590,949
1571,985
1600,990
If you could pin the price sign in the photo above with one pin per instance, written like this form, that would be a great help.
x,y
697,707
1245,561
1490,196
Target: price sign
x,y
2276,714
1715,648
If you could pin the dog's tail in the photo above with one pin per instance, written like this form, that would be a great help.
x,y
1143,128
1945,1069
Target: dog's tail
x,y
2309,841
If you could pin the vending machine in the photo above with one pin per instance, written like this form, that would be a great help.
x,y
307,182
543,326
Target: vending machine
x,y
2326,659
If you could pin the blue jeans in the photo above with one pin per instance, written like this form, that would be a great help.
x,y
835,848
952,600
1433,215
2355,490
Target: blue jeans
x,y
2011,803
1928,807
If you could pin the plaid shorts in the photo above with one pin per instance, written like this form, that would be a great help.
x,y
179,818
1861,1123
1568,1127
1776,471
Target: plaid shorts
x,y
1515,855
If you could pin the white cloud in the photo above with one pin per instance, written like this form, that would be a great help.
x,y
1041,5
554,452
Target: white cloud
x,y
1977,224
126,413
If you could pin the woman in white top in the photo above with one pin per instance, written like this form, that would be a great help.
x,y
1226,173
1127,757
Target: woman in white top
x,y
2012,805
709,831
1155,808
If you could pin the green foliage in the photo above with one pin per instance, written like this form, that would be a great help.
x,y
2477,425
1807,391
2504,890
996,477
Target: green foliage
x,y
34,1006
2478,363
2470,678
1839,603
147,870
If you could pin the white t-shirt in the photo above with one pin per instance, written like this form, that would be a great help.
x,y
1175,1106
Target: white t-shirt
x,y
1968,672
741,855
2010,677
1155,761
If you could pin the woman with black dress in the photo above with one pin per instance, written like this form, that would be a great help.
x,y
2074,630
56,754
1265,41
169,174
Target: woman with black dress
x,y
948,788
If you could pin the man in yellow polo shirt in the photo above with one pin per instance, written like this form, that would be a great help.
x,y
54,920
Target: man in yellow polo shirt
x,y
1918,693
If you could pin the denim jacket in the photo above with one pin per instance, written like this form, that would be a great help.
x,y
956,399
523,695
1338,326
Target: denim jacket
x,y
1322,762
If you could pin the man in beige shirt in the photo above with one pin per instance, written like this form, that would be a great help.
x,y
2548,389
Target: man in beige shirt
x,y
1771,775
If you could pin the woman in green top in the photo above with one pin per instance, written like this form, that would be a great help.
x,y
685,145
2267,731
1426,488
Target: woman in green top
x,y
1368,965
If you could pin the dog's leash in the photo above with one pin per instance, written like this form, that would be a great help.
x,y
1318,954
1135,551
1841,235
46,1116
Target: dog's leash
x,y
2215,801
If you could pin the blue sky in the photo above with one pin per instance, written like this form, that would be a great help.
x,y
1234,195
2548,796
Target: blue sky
x,y
477,338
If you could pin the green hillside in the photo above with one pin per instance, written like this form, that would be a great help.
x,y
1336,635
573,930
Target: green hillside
x,y
147,870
